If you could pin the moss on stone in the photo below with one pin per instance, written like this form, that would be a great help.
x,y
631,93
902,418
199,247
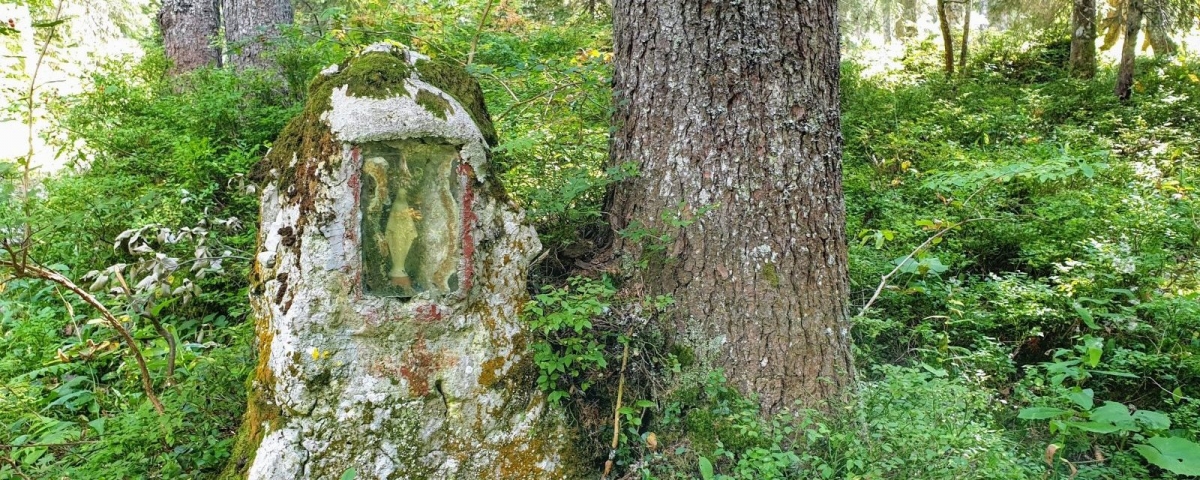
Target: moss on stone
x,y
307,137
433,103
262,415
375,75
456,82
308,140
305,145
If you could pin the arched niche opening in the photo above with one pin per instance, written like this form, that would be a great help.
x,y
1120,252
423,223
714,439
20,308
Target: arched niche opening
x,y
412,220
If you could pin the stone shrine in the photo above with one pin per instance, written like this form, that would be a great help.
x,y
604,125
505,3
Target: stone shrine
x,y
386,288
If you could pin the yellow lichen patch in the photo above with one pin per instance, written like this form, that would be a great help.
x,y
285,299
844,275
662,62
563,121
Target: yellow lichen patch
x,y
522,460
491,371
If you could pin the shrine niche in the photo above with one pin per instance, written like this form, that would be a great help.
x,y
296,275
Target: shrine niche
x,y
386,290
411,218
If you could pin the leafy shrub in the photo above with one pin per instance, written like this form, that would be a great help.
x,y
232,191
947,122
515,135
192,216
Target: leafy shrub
x,y
568,346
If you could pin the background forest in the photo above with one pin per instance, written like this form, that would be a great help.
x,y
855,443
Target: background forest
x,y
1025,263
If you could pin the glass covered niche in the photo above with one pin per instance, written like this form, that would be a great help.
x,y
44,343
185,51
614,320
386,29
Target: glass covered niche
x,y
412,218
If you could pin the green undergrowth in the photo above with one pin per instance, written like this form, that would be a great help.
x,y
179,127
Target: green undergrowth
x,y
1057,302
1050,331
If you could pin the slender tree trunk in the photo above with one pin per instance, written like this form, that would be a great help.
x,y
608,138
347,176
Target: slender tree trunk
x,y
1113,24
1083,39
947,40
188,28
250,25
888,34
906,27
1133,23
962,59
1158,33
731,112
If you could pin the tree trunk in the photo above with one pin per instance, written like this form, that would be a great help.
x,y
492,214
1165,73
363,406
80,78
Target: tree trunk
x,y
1113,24
1158,32
188,28
1083,39
947,40
962,59
906,27
888,34
1133,23
731,112
250,25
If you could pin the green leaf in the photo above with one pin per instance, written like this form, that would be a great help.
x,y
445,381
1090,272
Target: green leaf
x,y
1114,374
54,23
1085,315
1084,398
1095,347
349,474
1115,414
937,372
1095,427
1176,455
97,425
1040,413
1087,170
706,469
1152,420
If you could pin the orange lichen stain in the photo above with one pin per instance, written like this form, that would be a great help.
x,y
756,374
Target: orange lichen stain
x,y
355,184
491,371
418,366
519,460
468,222
428,313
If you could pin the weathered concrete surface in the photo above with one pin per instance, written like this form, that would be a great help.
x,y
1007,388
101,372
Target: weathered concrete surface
x,y
434,386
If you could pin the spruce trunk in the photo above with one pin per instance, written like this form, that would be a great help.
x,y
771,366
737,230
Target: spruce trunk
x,y
250,26
188,28
731,113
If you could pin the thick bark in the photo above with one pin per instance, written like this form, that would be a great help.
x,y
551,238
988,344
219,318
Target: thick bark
x,y
1133,24
188,28
731,112
250,25
947,40
1083,39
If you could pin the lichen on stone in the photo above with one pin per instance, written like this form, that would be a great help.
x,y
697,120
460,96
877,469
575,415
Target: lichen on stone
x,y
429,386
